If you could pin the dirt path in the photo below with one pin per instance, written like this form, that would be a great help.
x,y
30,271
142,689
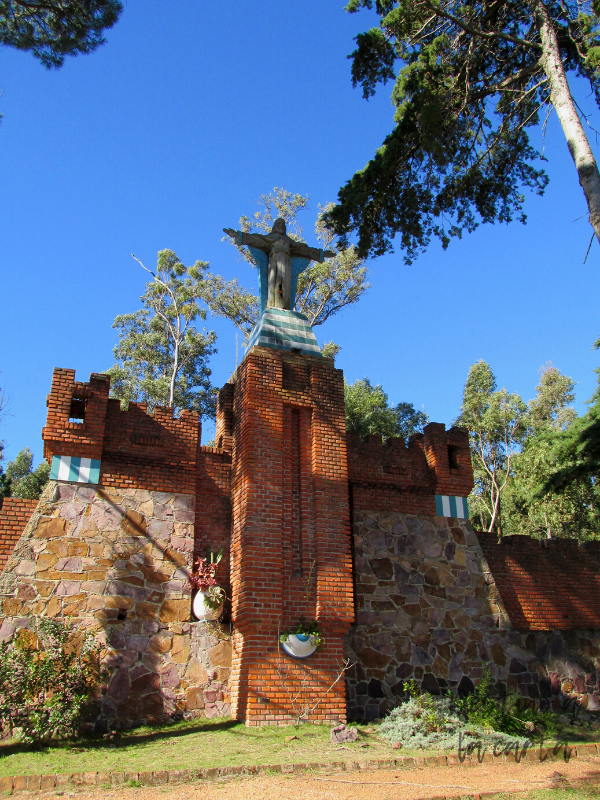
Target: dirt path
x,y
396,784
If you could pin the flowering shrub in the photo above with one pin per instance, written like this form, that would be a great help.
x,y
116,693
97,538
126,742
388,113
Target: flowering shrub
x,y
48,676
203,579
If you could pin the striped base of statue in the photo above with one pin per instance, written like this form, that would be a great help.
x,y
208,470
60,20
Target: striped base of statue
x,y
284,330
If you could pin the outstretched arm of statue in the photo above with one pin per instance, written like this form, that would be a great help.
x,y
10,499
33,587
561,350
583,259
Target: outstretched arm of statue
x,y
301,249
252,239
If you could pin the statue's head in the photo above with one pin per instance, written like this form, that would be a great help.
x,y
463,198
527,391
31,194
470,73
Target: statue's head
x,y
279,227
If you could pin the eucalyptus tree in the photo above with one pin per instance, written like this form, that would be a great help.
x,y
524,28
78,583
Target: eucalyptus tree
x,y
21,480
162,358
570,511
470,78
497,423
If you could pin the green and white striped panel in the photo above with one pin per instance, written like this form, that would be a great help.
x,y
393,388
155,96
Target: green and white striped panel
x,y
449,506
284,330
74,469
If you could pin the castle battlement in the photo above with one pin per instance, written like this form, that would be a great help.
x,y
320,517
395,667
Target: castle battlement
x,y
407,478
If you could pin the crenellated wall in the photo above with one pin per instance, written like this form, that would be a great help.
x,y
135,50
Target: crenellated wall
x,y
397,478
432,600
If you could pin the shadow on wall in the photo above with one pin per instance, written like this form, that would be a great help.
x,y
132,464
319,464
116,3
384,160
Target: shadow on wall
x,y
431,608
117,561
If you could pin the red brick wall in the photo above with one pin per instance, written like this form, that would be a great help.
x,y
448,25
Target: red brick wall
x,y
156,452
137,450
64,438
290,534
14,515
213,507
395,478
546,585
224,427
437,443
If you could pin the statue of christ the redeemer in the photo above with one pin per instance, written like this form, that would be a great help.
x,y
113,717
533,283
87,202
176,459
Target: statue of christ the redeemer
x,y
280,259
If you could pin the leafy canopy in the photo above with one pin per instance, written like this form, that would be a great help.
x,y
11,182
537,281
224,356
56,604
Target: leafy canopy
x,y
21,480
468,83
572,510
578,449
54,29
368,412
162,359
514,451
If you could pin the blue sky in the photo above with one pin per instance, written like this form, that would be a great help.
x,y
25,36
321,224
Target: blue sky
x,y
171,131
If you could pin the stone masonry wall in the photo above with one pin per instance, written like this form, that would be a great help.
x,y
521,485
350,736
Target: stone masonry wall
x,y
117,562
428,609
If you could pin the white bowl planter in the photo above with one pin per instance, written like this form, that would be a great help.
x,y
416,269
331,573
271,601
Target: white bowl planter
x,y
299,645
202,611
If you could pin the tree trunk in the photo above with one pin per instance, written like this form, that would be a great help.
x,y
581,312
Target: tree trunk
x,y
562,100
174,374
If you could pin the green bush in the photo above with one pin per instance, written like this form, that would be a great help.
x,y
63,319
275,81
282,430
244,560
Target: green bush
x,y
48,678
478,721
514,715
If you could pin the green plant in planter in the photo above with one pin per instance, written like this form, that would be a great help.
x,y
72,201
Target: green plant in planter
x,y
304,628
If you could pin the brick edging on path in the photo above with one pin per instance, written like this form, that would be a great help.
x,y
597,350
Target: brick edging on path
x,y
29,783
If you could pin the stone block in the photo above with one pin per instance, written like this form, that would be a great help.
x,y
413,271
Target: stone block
x,y
180,651
175,610
134,524
220,655
194,698
50,528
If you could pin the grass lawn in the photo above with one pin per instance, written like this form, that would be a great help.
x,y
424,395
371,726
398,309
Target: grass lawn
x,y
198,744
191,745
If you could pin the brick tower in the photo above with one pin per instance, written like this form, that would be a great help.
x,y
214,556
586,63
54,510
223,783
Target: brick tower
x,y
290,546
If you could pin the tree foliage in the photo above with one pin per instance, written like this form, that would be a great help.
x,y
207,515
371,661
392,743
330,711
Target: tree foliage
x,y
572,511
54,29
496,420
513,459
48,676
162,359
21,480
470,77
323,289
369,412
577,449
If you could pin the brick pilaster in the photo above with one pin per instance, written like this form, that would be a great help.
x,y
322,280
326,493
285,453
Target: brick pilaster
x,y
290,547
